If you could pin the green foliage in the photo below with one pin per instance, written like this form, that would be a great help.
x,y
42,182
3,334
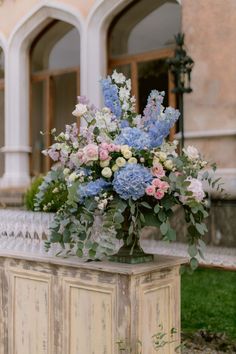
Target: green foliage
x,y
208,302
52,192
31,192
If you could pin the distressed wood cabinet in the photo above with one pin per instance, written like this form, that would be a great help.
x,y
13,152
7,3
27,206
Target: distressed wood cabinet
x,y
64,306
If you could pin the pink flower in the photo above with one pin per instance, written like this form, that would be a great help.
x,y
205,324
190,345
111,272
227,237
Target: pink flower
x,y
117,148
90,152
103,154
164,186
196,188
150,190
159,194
156,182
104,146
111,147
53,154
157,170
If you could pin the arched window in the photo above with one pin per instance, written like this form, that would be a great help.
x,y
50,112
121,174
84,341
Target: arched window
x,y
55,77
1,110
140,40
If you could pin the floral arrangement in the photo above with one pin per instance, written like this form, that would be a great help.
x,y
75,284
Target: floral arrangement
x,y
121,175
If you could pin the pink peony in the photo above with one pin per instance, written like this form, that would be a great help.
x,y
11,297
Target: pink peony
x,y
104,146
159,194
150,190
90,152
103,154
111,147
157,170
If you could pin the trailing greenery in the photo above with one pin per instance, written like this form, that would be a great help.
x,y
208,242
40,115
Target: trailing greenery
x,y
209,302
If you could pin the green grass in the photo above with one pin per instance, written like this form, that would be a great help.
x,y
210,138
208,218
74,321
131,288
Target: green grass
x,y
208,301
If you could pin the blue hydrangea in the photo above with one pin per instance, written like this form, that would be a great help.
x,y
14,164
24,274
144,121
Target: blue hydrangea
x,y
111,98
93,188
134,137
124,124
131,181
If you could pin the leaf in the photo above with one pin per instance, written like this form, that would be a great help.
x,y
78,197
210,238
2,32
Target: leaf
x,y
171,235
142,218
164,228
156,208
152,220
79,253
146,205
193,263
192,250
201,244
200,228
118,218
161,216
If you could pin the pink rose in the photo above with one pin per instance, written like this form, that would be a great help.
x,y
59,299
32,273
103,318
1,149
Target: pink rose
x,y
159,194
164,186
111,147
150,190
104,146
157,170
103,154
90,152
117,148
156,182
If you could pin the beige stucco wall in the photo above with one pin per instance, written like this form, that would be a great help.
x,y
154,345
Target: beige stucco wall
x,y
19,9
210,31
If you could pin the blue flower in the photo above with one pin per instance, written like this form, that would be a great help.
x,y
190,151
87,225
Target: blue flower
x,y
131,181
111,98
158,121
93,188
134,137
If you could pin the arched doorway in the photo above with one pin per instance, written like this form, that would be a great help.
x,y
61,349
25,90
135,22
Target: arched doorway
x,y
2,114
55,83
140,39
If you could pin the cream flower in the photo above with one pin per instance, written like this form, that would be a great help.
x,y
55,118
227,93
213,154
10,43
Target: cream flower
x,y
106,172
133,160
127,154
105,163
120,161
191,152
80,109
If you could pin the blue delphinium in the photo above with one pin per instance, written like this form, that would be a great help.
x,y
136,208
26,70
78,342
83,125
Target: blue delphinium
x,y
158,121
111,98
93,188
134,137
131,181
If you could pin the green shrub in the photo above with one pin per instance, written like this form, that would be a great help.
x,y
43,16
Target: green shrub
x,y
32,191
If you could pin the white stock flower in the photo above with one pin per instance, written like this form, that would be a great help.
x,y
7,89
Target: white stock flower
x,y
119,78
80,109
123,94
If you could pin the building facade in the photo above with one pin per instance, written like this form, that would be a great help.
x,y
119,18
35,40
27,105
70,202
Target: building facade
x,y
53,50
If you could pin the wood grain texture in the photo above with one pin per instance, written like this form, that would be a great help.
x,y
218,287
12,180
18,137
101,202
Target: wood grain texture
x,y
60,307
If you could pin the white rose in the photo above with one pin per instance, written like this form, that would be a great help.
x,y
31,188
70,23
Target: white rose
x,y
127,154
191,152
124,148
168,164
106,172
80,109
132,160
162,156
66,171
105,163
120,161
115,168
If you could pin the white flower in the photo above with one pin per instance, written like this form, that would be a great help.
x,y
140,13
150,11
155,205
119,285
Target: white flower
x,y
196,188
80,109
106,172
66,171
124,148
115,168
72,177
128,84
168,164
105,163
123,93
132,160
120,161
119,78
162,156
191,152
127,154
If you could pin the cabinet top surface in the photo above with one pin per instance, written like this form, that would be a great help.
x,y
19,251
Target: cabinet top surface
x,y
159,262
